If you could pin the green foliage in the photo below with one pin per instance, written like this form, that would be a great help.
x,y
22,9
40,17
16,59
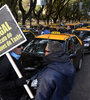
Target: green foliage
x,y
37,9
26,4
54,9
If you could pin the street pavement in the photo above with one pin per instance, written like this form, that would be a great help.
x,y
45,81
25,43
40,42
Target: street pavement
x,y
81,89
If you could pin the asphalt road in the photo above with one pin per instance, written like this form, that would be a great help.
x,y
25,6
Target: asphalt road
x,y
81,89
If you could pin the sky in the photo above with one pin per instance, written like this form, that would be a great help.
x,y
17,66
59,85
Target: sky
x,y
38,2
41,2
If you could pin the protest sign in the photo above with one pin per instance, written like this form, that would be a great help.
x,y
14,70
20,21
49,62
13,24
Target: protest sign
x,y
11,36
10,33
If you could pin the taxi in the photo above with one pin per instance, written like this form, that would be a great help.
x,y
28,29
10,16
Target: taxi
x,y
62,29
84,35
29,35
36,26
74,25
23,27
86,24
71,43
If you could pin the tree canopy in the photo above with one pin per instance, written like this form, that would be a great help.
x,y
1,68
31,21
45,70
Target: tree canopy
x,y
54,10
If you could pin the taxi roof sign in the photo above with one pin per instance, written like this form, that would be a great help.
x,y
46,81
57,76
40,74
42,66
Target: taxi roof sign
x,y
11,35
56,32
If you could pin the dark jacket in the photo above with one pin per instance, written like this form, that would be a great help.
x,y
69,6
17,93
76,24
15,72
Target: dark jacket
x,y
46,32
56,80
8,78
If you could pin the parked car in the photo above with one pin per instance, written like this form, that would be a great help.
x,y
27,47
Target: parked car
x,y
84,35
29,35
23,27
35,50
74,25
85,24
62,29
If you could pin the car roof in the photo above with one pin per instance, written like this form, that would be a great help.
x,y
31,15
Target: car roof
x,y
55,37
72,24
28,31
87,22
83,29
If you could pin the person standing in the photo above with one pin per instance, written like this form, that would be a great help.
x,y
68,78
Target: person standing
x,y
11,87
55,81
41,30
46,31
58,28
68,30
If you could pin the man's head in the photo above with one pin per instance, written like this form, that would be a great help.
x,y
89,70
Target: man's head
x,y
57,27
42,28
18,50
53,46
68,27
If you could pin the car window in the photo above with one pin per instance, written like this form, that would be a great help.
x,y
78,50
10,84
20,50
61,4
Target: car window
x,y
76,33
29,36
87,34
82,34
76,43
37,46
70,46
72,26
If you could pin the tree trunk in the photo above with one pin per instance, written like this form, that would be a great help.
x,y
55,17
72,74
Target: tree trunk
x,y
30,19
37,21
23,20
55,20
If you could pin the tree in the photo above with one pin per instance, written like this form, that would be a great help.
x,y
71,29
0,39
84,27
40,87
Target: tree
x,y
26,14
38,12
12,5
49,9
58,7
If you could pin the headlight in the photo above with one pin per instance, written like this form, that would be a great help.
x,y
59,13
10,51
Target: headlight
x,y
86,45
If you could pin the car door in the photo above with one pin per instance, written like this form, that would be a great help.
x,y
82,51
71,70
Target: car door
x,y
78,51
74,51
70,49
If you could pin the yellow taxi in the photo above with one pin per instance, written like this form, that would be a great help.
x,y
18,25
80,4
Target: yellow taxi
x,y
74,25
88,26
71,43
84,35
23,27
85,24
29,35
62,29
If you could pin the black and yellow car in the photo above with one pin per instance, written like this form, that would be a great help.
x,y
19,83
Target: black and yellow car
x,y
88,26
29,35
23,27
74,25
84,35
36,49
85,24
62,29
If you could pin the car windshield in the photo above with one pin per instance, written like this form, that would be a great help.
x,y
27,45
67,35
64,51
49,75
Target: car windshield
x,y
29,36
72,26
82,34
37,46
86,24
